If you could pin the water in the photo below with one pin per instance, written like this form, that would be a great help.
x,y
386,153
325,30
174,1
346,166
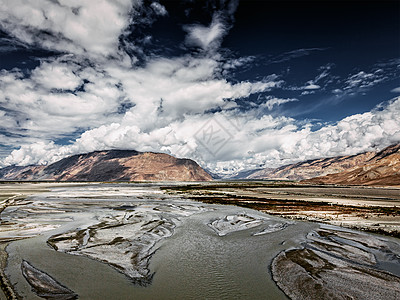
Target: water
x,y
207,266
194,263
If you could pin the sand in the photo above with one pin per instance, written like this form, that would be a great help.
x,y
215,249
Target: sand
x,y
327,268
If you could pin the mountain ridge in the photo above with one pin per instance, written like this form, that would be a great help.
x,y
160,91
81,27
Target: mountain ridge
x,y
383,169
367,168
313,167
313,171
111,165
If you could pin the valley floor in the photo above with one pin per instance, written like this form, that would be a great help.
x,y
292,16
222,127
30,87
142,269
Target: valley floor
x,y
124,226
373,209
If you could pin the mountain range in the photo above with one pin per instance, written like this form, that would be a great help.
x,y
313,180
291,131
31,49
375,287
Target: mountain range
x,y
382,169
367,168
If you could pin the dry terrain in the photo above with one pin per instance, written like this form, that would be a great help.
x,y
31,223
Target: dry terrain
x,y
380,168
365,208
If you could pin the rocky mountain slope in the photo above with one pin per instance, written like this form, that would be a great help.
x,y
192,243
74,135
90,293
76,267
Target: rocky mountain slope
x,y
383,169
374,166
313,168
112,165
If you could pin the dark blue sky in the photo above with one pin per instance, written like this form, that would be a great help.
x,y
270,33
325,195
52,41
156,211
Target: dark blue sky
x,y
349,36
353,36
95,75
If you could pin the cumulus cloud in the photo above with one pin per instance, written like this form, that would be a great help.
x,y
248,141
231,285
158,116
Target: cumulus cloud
x,y
59,98
91,97
79,27
57,75
35,152
269,141
375,129
66,95
287,142
109,103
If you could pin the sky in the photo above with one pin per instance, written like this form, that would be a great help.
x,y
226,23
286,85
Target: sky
x,y
234,85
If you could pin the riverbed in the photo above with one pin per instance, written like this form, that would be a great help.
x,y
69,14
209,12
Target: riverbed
x,y
135,241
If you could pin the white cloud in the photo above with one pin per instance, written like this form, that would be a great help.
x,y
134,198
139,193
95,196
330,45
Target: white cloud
x,y
34,153
168,104
308,92
289,143
357,133
271,102
355,83
325,72
47,106
294,54
80,27
396,90
159,9
363,80
206,37
322,79
251,141
238,62
311,86
337,91
186,85
65,95
57,75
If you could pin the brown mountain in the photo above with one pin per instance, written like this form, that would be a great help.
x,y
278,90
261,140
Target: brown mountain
x,y
112,165
376,166
313,168
383,169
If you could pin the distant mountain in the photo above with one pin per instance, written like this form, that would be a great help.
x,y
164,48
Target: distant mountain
x,y
246,174
376,165
112,165
313,168
382,169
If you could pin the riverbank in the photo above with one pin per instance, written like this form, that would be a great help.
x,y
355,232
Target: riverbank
x,y
369,209
10,195
340,264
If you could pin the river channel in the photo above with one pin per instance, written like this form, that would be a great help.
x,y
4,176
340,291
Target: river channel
x,y
201,251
